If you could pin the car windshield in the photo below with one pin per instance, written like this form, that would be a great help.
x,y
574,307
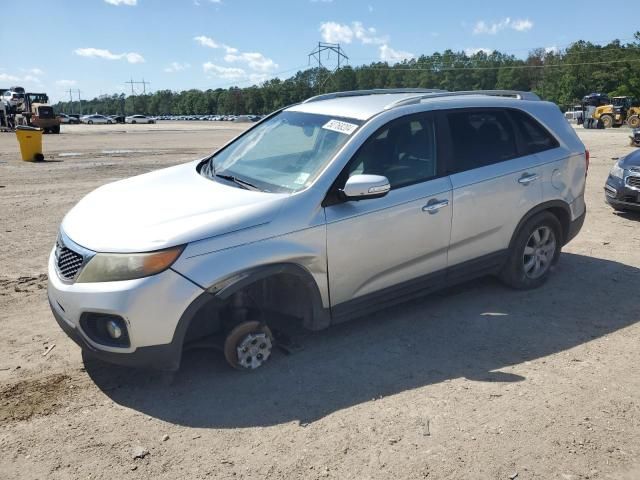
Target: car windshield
x,y
282,154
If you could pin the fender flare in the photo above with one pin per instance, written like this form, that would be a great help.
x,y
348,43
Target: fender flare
x,y
321,316
541,208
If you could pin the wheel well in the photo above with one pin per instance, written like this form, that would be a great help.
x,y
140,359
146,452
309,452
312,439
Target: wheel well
x,y
278,293
565,220
557,208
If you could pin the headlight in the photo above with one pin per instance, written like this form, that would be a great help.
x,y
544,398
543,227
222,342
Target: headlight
x,y
617,171
113,267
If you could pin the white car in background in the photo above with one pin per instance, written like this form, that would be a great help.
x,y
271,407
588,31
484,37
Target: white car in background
x,y
139,119
91,119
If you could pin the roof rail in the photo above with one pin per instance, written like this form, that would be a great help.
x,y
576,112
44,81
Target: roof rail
x,y
494,93
375,91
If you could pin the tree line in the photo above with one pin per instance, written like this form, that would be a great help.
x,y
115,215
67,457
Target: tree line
x,y
561,76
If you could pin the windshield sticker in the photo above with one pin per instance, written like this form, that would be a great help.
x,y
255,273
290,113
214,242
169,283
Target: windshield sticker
x,y
340,127
301,178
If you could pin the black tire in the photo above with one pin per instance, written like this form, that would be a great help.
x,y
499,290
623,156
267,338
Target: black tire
x,y
513,273
634,121
133,121
607,121
237,335
55,129
90,122
109,122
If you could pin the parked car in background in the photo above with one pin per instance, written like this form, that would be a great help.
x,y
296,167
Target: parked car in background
x,y
622,188
575,114
117,118
64,118
97,119
14,96
139,119
433,188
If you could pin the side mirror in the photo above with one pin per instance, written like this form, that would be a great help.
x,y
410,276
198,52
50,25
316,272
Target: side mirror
x,y
360,187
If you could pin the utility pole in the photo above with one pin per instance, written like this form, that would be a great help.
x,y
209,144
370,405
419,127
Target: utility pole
x,y
317,56
80,101
70,101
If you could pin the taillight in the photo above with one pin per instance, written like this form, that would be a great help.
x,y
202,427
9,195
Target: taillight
x,y
586,157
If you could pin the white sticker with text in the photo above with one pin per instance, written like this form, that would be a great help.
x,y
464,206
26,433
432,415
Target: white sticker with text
x,y
340,127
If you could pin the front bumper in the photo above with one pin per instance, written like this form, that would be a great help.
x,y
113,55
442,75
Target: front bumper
x,y
151,307
619,194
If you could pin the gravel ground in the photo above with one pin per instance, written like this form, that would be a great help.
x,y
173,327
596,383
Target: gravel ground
x,y
478,382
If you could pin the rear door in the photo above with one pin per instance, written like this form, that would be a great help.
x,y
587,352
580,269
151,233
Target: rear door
x,y
382,249
494,184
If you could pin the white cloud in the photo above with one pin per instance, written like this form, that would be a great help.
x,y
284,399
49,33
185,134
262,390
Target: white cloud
x,y
388,54
229,73
31,79
5,77
33,71
176,67
130,57
206,41
333,32
66,83
552,49
130,3
470,52
519,25
254,60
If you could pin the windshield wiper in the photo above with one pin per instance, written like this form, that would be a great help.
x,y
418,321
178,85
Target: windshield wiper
x,y
242,183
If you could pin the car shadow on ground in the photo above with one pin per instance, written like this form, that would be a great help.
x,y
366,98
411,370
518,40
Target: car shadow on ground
x,y
470,331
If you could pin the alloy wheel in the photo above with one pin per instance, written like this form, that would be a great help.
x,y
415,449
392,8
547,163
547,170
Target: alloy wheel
x,y
539,252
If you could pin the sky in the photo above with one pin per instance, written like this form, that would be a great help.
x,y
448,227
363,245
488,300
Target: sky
x,y
95,46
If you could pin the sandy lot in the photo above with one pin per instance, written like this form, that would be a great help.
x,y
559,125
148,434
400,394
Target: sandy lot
x,y
479,382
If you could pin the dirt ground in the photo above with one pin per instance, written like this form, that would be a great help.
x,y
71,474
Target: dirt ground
x,y
479,382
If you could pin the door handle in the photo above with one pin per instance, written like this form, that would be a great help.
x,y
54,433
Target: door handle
x,y
434,205
528,178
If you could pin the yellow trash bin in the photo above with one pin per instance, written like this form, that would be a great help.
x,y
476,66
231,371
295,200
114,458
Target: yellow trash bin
x,y
30,140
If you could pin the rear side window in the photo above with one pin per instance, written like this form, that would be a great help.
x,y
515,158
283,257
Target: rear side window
x,y
481,137
535,137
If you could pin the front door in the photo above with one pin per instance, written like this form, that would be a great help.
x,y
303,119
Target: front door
x,y
385,249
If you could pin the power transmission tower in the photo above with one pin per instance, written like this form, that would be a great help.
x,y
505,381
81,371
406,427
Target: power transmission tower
x,y
143,83
329,48
133,92
70,101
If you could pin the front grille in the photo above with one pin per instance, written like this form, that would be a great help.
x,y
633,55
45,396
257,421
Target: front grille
x,y
630,199
68,262
633,182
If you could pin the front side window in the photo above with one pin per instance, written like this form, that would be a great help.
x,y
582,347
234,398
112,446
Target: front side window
x,y
404,152
285,153
480,138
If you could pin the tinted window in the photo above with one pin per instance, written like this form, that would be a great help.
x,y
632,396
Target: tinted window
x,y
480,138
536,138
403,151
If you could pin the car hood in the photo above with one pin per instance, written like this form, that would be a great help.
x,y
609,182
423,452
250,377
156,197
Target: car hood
x,y
631,160
168,207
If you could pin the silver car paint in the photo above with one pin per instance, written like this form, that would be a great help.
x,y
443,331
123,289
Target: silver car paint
x,y
350,249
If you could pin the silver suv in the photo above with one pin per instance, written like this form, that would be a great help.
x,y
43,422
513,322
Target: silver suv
x,y
323,211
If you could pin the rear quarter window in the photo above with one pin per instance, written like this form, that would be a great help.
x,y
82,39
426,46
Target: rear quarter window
x,y
535,137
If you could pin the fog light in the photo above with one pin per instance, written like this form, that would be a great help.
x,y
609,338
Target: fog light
x,y
114,329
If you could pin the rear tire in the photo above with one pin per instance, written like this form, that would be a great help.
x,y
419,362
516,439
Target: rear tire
x,y
90,122
634,121
535,249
